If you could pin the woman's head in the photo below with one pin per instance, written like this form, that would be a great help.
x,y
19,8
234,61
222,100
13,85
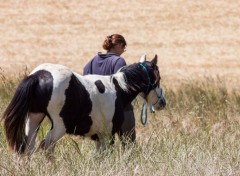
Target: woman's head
x,y
115,43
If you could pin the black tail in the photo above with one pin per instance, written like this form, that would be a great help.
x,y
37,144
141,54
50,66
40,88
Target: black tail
x,y
16,114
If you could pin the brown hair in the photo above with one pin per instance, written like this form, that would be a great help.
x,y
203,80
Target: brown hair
x,y
113,40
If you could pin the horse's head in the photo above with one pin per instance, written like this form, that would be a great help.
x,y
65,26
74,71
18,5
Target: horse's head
x,y
153,93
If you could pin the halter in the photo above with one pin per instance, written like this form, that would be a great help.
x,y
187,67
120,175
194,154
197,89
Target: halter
x,y
149,85
149,82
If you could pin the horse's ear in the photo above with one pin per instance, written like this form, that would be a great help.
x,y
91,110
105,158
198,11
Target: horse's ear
x,y
155,59
143,58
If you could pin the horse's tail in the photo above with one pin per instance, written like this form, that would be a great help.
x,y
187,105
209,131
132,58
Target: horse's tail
x,y
17,112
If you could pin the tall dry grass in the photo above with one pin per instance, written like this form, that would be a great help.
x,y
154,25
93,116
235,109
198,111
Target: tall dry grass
x,y
197,134
191,38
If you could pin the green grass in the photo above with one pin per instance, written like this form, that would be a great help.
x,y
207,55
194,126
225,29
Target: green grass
x,y
197,134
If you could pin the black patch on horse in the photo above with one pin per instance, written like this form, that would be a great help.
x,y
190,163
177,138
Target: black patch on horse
x,y
100,86
77,107
42,92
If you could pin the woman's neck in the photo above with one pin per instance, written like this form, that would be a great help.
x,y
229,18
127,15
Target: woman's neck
x,y
114,51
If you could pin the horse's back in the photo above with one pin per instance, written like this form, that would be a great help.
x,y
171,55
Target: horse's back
x,y
57,70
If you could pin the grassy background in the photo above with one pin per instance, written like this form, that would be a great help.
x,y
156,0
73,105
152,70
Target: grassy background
x,y
197,134
198,46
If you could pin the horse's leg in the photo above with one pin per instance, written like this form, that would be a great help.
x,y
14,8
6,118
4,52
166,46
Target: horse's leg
x,y
57,131
127,131
32,125
100,144
103,140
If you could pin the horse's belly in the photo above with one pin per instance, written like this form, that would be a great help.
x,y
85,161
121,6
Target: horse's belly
x,y
102,127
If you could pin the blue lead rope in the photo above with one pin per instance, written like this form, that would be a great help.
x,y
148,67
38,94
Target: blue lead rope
x,y
143,121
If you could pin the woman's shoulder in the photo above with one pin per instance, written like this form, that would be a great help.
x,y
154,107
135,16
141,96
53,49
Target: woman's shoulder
x,y
116,57
119,63
121,60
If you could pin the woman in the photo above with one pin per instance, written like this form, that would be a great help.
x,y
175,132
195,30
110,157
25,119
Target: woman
x,y
108,64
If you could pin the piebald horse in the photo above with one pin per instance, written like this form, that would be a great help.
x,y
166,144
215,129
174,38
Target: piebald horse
x,y
90,106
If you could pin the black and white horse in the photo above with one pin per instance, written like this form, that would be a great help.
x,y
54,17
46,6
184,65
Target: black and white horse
x,y
90,106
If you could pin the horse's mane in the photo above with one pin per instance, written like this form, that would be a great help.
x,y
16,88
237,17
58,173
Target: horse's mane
x,y
131,77
120,77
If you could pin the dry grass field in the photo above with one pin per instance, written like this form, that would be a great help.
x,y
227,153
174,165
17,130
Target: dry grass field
x,y
198,44
192,38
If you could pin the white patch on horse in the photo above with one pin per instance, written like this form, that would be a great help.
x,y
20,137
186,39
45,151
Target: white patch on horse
x,y
101,114
32,124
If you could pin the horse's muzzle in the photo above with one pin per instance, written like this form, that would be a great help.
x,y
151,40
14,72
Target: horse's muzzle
x,y
162,102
